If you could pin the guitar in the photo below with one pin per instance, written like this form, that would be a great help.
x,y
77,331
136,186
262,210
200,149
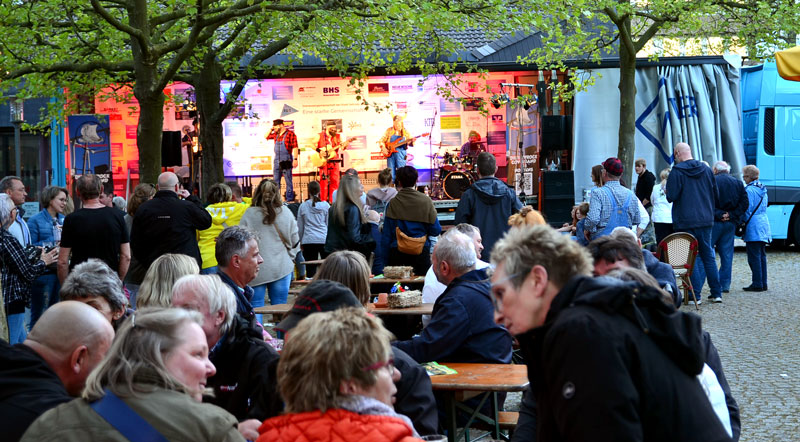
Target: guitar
x,y
325,154
392,147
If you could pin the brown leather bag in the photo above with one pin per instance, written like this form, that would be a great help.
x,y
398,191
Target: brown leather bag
x,y
408,244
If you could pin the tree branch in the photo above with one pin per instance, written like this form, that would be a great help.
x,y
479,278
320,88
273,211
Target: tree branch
x,y
134,33
97,65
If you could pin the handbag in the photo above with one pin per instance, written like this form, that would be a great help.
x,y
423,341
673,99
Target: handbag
x,y
741,229
409,244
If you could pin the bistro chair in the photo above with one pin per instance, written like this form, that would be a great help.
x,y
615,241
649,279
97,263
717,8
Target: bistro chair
x,y
679,250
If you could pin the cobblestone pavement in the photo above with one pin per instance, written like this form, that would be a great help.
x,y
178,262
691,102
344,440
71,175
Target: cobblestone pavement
x,y
756,335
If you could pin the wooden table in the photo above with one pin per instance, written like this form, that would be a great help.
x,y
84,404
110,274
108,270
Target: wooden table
x,y
282,309
413,280
485,379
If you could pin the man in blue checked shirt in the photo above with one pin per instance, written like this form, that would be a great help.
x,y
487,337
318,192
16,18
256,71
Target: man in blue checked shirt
x,y
612,205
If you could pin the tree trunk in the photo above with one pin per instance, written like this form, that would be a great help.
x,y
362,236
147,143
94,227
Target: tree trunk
x,y
148,135
207,93
627,112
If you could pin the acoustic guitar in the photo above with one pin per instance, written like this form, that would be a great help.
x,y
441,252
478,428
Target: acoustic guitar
x,y
327,153
392,147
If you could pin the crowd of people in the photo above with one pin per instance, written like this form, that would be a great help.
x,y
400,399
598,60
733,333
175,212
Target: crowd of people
x,y
143,324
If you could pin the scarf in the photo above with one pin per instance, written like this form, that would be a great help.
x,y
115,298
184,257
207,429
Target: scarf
x,y
366,405
410,205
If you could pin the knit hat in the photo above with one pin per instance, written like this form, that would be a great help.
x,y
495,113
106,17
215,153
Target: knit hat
x,y
613,166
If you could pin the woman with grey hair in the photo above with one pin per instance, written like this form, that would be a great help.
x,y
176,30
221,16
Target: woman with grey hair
x,y
94,283
156,370
18,271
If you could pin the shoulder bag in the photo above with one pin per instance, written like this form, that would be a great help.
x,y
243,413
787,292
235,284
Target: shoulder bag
x,y
741,229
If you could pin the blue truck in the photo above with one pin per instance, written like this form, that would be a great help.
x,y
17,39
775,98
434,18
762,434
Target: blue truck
x,y
771,135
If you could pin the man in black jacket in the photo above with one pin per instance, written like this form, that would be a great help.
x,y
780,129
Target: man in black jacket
x,y
729,211
51,366
414,397
167,224
487,204
245,383
607,360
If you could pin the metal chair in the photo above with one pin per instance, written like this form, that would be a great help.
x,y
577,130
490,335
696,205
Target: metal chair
x,y
679,250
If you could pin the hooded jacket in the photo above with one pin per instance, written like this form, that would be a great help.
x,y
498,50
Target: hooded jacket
x,y
222,215
692,189
312,222
758,227
613,361
245,384
487,204
28,388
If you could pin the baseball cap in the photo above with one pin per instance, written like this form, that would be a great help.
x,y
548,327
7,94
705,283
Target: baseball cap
x,y
320,296
613,166
277,122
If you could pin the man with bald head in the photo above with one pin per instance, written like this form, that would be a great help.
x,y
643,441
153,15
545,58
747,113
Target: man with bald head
x,y
167,223
51,366
692,190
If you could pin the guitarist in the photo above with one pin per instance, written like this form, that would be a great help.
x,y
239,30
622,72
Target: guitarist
x,y
393,134
328,147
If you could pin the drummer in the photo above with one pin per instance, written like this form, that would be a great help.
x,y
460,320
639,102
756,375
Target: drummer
x,y
473,146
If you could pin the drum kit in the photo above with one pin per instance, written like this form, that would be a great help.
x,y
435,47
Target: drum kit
x,y
452,174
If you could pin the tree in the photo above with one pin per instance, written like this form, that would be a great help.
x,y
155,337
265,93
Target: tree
x,y
147,44
581,29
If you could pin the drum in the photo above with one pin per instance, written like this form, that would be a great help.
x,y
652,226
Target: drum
x,y
467,162
450,162
455,183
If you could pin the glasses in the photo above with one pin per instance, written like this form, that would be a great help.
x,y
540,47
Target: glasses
x,y
378,365
497,299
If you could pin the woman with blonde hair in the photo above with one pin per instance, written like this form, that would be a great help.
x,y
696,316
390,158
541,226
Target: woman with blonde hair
x,y
662,209
348,228
352,397
155,372
349,268
527,216
278,241
156,288
224,213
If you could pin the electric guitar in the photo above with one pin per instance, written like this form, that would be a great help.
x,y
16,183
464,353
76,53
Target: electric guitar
x,y
327,153
391,148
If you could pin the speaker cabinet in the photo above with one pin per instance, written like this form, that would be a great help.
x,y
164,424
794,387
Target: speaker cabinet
x,y
556,132
558,196
171,148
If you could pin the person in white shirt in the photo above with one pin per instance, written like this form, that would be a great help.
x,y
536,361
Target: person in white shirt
x,y
433,288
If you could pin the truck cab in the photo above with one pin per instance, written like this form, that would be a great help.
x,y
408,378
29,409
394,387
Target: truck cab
x,y
771,136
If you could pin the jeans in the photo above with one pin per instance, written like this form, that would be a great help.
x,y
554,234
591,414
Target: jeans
x,y
209,271
16,328
722,240
277,290
44,293
705,258
757,260
299,264
278,173
397,160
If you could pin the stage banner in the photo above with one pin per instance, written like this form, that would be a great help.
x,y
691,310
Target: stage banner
x,y
440,125
697,104
90,146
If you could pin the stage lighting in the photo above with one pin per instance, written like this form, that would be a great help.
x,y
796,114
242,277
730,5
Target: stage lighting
x,y
499,100
529,102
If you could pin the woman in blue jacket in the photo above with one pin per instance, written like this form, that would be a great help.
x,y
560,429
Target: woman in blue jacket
x,y
45,228
757,234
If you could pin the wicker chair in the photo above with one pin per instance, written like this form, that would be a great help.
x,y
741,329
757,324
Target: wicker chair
x,y
680,250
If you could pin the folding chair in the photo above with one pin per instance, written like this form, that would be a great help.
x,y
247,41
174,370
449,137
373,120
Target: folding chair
x,y
679,250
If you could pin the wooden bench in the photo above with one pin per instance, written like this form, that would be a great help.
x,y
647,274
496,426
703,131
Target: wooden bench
x,y
507,420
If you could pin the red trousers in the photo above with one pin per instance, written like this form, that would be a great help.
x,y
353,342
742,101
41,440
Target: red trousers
x,y
328,181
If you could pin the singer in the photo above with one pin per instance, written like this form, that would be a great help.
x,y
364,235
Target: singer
x,y
329,147
286,152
